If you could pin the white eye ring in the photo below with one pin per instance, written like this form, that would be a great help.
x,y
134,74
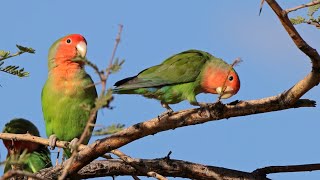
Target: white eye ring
x,y
68,41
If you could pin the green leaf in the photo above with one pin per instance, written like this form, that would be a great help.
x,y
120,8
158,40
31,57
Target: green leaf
x,y
313,9
104,101
4,54
25,49
116,66
114,128
14,70
297,20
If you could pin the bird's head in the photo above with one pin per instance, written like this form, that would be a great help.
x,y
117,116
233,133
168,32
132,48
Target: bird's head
x,y
220,79
68,49
20,126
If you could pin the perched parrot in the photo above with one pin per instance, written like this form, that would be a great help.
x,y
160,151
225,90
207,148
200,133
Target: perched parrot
x,y
66,91
38,155
182,77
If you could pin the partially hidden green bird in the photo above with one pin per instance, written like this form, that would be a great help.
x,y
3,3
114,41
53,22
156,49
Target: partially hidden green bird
x,y
38,156
67,90
182,77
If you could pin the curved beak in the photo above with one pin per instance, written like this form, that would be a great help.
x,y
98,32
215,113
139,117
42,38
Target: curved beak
x,y
82,49
226,93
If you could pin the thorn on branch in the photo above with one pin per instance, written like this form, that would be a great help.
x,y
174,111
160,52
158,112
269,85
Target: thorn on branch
x,y
167,157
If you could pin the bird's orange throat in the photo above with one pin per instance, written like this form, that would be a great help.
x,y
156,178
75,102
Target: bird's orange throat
x,y
65,77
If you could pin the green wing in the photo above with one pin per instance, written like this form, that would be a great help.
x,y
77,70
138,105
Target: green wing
x,y
39,159
180,68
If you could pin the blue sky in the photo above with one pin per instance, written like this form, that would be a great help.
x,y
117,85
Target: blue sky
x,y
154,31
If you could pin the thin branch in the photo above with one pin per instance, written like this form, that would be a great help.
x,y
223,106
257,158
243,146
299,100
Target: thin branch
x,y
13,173
289,168
312,3
93,112
132,162
167,167
261,6
12,55
314,23
118,38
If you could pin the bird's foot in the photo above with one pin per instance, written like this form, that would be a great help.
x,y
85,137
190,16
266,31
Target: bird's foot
x,y
73,144
52,141
166,113
204,107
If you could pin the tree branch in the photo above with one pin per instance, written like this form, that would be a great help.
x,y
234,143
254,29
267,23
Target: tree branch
x,y
167,167
132,162
13,173
289,168
312,3
180,119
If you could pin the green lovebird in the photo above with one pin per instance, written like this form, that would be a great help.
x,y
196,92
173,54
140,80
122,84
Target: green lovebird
x,y
67,90
38,155
182,77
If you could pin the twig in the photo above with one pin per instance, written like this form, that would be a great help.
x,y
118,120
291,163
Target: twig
x,y
13,173
235,62
289,168
261,6
132,162
12,55
312,3
314,23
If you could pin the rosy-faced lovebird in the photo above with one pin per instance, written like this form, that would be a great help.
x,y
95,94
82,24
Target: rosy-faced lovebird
x,y
67,91
38,156
182,77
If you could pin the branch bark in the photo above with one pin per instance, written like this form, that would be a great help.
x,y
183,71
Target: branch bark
x,y
164,166
289,168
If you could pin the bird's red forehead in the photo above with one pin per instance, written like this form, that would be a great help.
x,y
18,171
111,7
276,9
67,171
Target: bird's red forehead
x,y
75,38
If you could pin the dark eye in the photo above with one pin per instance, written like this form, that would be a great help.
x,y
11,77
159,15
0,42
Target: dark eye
x,y
68,41
230,78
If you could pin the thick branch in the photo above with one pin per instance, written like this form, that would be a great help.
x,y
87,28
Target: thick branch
x,y
167,167
180,119
295,36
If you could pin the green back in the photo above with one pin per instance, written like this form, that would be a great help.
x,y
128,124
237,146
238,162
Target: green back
x,y
180,68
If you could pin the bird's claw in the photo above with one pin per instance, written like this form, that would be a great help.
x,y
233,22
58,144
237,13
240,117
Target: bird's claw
x,y
52,141
204,107
73,144
166,113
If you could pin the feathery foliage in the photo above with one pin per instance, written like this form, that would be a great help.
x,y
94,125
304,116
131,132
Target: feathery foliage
x,y
310,19
13,69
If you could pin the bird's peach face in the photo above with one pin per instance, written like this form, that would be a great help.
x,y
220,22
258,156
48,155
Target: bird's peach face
x,y
226,83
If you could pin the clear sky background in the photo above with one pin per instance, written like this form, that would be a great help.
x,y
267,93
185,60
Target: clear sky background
x,y
153,31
